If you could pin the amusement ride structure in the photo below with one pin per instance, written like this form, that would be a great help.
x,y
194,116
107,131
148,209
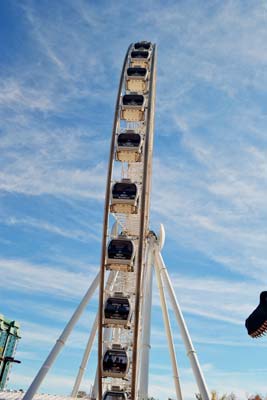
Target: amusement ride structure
x,y
130,250
256,323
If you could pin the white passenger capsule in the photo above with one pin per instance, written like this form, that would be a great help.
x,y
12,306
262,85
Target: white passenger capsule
x,y
140,58
120,254
124,197
117,311
115,362
133,107
136,79
142,45
129,146
115,394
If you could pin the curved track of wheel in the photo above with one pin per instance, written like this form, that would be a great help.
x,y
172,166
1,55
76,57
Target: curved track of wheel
x,y
134,225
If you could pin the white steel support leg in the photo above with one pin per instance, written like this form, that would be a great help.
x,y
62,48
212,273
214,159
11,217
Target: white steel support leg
x,y
94,390
116,335
90,342
202,386
60,342
166,319
85,358
146,327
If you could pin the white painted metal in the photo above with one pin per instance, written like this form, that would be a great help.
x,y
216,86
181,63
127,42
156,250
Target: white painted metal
x,y
109,286
114,230
161,238
85,358
166,319
146,323
202,386
60,342
94,395
116,335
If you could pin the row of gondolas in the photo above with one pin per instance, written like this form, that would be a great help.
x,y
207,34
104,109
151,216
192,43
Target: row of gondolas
x,y
124,199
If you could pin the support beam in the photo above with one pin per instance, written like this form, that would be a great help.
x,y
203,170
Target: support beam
x,y
109,286
85,358
202,386
116,332
60,342
95,386
167,325
146,326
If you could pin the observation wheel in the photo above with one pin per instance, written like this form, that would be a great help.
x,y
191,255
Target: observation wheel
x,y
126,227
129,251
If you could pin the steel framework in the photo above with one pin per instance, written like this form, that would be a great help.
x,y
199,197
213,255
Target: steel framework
x,y
126,220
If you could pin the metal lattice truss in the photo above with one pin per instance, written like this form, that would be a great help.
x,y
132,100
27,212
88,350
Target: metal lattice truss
x,y
129,219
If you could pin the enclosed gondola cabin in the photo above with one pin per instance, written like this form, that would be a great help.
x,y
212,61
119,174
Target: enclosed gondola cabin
x,y
129,146
136,79
120,255
115,363
115,394
140,58
117,311
133,107
124,197
142,45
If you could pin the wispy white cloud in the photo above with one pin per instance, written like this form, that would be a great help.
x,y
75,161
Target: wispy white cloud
x,y
45,336
220,380
80,235
60,312
15,94
76,183
45,279
219,203
26,355
43,168
231,301
210,185
40,36
56,383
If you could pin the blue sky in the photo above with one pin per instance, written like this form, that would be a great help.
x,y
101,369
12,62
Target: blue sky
x,y
60,67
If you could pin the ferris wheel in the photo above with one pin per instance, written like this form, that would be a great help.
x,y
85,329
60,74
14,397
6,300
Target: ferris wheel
x,y
127,206
129,252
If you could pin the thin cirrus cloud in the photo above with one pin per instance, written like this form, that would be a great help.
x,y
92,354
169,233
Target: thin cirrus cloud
x,y
209,180
45,279
75,234
14,95
40,162
45,336
223,199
